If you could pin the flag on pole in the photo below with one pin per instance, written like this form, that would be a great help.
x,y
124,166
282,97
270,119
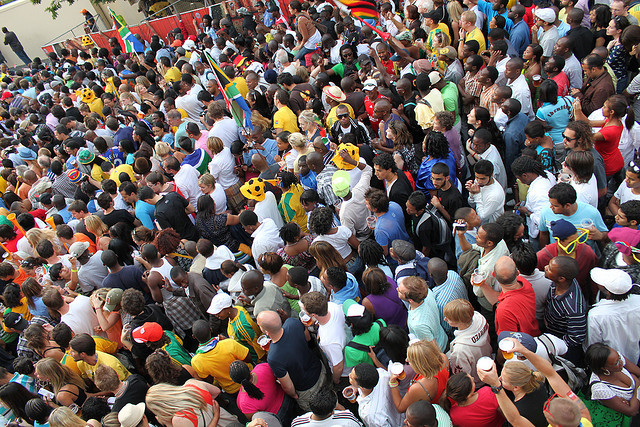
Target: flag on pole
x,y
363,9
235,102
131,43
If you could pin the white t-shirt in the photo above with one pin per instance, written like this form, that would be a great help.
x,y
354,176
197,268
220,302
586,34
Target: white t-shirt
x,y
624,193
588,192
339,240
332,335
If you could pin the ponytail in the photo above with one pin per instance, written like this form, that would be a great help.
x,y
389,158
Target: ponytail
x,y
240,374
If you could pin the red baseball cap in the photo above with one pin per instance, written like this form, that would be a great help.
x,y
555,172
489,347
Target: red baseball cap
x,y
148,332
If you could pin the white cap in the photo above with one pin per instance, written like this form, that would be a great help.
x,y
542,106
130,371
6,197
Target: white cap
x,y
616,281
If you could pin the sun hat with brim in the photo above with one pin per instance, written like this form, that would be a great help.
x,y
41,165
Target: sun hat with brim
x,y
148,332
219,302
131,415
85,156
335,93
353,151
26,153
341,183
253,189
114,296
625,238
616,281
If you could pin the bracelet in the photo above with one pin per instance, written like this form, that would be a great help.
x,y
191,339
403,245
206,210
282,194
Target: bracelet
x,y
393,384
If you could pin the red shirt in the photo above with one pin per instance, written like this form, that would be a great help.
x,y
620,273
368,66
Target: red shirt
x,y
484,412
516,310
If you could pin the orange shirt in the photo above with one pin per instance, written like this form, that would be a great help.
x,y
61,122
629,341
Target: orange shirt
x,y
80,237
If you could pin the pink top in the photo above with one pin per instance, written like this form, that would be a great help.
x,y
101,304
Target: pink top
x,y
481,413
273,393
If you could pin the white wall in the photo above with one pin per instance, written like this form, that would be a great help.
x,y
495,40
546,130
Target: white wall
x,y
35,27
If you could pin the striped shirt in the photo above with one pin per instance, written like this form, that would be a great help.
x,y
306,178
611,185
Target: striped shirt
x,y
337,419
566,315
452,288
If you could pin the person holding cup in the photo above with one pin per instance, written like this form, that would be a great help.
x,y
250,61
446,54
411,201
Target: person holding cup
x,y
529,405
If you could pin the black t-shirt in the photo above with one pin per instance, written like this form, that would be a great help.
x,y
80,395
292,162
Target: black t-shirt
x,y
292,355
531,406
169,213
451,200
116,216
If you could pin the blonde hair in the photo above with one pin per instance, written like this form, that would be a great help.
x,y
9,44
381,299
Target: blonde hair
x,y
425,358
215,144
37,235
165,400
207,179
520,375
162,149
296,139
459,310
58,375
62,416
95,226
308,116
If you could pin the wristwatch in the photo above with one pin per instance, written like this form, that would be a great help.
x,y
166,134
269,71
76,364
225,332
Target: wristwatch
x,y
497,390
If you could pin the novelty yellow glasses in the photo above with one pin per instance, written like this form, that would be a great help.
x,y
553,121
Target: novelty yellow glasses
x,y
582,238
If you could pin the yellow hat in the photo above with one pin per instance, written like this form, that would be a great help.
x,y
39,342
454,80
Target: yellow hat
x,y
353,151
253,189
86,95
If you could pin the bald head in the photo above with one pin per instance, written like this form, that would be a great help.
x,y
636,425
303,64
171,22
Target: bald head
x,y
437,270
505,271
315,161
269,321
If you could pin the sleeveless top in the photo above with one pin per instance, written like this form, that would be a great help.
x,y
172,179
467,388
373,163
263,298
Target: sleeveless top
x,y
442,377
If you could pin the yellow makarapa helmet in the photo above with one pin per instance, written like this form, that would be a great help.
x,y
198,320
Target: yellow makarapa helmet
x,y
86,41
353,151
253,189
86,95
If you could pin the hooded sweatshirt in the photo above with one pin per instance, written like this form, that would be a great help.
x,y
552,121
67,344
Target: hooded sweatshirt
x,y
469,345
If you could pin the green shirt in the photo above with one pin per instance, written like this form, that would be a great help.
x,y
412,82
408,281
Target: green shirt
x,y
175,349
450,99
353,356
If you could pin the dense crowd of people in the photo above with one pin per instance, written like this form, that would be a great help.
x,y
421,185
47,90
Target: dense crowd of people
x,y
430,219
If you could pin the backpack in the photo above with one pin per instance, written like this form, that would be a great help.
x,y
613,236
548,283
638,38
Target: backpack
x,y
575,376
380,352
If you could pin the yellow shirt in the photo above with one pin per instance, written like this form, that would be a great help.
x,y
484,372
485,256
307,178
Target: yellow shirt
x,y
477,35
89,371
241,85
286,119
115,173
172,75
333,115
215,362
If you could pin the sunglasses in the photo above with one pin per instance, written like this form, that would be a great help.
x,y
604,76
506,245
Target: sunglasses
x,y
343,116
567,138
582,238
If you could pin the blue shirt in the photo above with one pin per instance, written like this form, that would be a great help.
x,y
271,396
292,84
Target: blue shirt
x,y
520,37
424,322
270,151
144,212
557,116
390,226
584,210
350,291
423,179
487,8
